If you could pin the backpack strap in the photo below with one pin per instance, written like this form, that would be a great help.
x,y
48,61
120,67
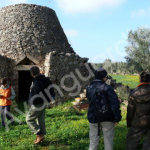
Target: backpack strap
x,y
99,128
103,89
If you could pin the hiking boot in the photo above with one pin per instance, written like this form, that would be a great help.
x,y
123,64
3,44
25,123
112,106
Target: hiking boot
x,y
39,139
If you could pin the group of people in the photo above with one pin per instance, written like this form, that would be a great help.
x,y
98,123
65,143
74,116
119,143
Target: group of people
x,y
36,115
138,112
138,109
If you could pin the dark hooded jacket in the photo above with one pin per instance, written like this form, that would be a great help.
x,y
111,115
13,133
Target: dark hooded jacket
x,y
38,85
111,97
138,110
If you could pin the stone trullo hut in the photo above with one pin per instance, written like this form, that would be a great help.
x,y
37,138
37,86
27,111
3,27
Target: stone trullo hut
x,y
32,35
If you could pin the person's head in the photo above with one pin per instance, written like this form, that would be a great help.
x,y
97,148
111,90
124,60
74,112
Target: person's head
x,y
34,71
101,74
4,81
144,77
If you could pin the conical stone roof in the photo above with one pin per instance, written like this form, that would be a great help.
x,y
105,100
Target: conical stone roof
x,y
27,29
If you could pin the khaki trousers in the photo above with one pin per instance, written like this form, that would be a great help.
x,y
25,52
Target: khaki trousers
x,y
36,119
108,133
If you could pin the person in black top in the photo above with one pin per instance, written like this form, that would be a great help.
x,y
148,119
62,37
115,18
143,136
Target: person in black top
x,y
108,124
38,99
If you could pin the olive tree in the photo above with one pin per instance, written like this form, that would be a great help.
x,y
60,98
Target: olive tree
x,y
138,49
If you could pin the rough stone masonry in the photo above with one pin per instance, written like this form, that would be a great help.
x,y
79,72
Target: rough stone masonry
x,y
32,35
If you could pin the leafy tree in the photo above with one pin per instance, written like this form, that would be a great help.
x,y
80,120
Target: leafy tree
x,y
108,65
96,65
114,67
138,49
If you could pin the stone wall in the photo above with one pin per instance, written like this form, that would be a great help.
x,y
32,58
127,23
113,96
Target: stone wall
x,y
27,29
8,69
32,35
69,72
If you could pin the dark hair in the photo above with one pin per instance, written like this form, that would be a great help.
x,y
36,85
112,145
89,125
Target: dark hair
x,y
144,76
4,81
100,73
34,70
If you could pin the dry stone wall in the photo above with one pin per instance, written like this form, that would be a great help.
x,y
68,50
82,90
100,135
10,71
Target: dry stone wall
x,y
69,72
32,35
31,29
8,69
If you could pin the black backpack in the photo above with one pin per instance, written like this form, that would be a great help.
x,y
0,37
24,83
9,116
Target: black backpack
x,y
48,82
102,107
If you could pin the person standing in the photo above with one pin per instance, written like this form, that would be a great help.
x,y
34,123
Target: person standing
x,y
6,95
38,101
108,124
138,114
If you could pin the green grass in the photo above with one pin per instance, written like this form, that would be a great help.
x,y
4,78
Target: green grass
x,y
67,129
131,80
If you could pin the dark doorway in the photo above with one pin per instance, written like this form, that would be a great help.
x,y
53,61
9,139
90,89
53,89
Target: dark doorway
x,y
25,81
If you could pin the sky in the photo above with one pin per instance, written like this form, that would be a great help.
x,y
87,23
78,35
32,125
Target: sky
x,y
97,29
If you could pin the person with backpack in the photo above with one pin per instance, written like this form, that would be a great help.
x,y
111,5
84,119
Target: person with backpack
x,y
38,99
7,94
104,110
138,114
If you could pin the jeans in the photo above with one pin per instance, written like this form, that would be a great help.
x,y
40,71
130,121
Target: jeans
x,y
134,136
5,113
108,133
36,113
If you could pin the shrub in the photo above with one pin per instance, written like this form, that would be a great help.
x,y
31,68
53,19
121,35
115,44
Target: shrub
x,y
123,92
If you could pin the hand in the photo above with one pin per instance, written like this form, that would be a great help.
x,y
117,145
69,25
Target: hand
x,y
115,123
52,102
49,106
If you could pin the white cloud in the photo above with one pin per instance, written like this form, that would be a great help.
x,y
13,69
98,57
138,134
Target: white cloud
x,y
11,2
71,33
139,13
87,6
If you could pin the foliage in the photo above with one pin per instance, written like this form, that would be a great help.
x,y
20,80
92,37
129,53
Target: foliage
x,y
107,65
114,67
96,65
128,80
138,49
122,92
138,54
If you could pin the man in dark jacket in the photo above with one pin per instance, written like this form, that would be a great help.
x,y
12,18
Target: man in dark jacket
x,y
38,99
138,114
107,125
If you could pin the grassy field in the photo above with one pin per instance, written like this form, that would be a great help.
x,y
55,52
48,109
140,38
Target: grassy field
x,y
67,129
131,80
